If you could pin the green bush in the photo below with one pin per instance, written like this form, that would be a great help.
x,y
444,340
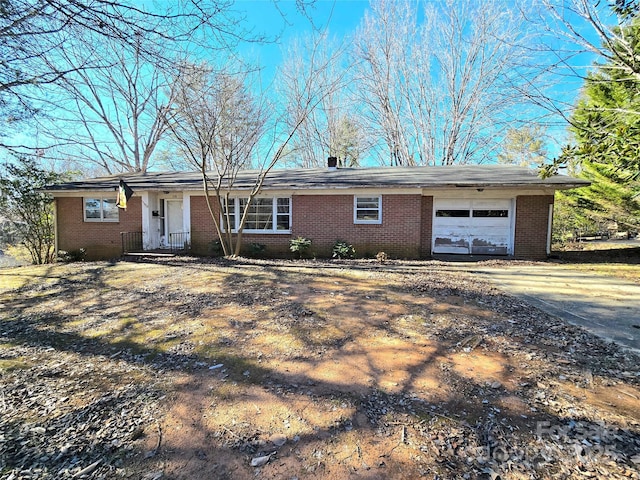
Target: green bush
x,y
343,249
72,256
299,246
215,249
257,249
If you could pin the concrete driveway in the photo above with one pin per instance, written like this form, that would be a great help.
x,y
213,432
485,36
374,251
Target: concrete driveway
x,y
607,307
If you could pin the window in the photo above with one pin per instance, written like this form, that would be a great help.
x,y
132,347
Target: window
x,y
367,210
100,209
452,213
490,213
264,215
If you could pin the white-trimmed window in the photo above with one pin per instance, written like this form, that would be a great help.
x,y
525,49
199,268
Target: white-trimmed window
x,y
265,214
100,209
367,209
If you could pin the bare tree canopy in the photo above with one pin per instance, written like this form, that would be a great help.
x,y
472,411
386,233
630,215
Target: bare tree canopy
x,y
38,38
332,128
32,32
113,115
438,91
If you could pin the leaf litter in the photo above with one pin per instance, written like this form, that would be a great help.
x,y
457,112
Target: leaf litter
x,y
190,369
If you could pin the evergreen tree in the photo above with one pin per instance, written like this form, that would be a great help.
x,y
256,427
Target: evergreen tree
x,y
606,129
523,146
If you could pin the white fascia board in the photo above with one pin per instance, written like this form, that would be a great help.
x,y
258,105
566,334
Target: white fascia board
x,y
318,191
81,193
479,192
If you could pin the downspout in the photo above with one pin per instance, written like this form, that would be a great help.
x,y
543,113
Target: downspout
x,y
55,226
549,229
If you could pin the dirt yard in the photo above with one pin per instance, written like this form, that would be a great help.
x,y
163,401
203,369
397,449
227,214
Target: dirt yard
x,y
185,369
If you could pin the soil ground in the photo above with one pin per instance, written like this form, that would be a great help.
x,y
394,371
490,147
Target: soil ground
x,y
188,369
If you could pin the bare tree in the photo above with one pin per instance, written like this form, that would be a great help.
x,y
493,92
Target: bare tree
x,y
332,128
218,124
382,46
222,128
114,114
34,33
438,92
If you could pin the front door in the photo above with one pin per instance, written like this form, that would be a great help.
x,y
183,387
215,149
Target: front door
x,y
174,226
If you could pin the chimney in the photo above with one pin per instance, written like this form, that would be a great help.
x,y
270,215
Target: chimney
x,y
332,163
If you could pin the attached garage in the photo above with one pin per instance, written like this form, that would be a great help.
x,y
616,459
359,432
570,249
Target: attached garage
x,y
473,227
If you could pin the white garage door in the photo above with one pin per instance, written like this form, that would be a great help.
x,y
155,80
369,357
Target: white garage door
x,y
478,227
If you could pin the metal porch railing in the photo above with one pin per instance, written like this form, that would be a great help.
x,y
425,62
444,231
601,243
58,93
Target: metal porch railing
x,y
179,242
131,242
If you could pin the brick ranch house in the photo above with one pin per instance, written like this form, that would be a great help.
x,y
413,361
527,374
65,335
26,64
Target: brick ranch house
x,y
407,212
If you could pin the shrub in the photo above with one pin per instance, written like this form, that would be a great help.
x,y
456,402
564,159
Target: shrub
x,y
257,249
215,249
72,256
299,246
343,249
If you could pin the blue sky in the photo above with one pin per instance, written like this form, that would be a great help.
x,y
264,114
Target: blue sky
x,y
282,22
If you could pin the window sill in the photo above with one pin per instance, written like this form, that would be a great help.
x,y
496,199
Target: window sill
x,y
262,232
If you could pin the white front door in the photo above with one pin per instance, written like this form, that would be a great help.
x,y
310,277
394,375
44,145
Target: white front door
x,y
173,223
478,227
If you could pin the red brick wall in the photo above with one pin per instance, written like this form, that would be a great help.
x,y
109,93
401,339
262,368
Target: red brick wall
x,y
101,240
406,230
532,223
325,219
203,233
427,226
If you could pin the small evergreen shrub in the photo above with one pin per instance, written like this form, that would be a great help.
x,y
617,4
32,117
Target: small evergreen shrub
x,y
72,256
257,249
299,246
342,249
215,249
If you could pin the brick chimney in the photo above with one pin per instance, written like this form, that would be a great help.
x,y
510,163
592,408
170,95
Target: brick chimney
x,y
332,163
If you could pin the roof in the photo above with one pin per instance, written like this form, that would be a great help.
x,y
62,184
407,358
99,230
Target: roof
x,y
476,176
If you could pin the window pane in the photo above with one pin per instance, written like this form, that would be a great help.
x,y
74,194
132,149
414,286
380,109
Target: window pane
x,y
491,213
231,209
284,222
109,209
367,202
367,215
452,213
260,213
92,208
284,205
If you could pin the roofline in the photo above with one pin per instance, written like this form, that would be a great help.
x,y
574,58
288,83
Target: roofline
x,y
383,178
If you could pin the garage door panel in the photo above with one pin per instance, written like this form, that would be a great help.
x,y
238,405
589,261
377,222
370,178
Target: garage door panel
x,y
481,227
489,245
451,244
